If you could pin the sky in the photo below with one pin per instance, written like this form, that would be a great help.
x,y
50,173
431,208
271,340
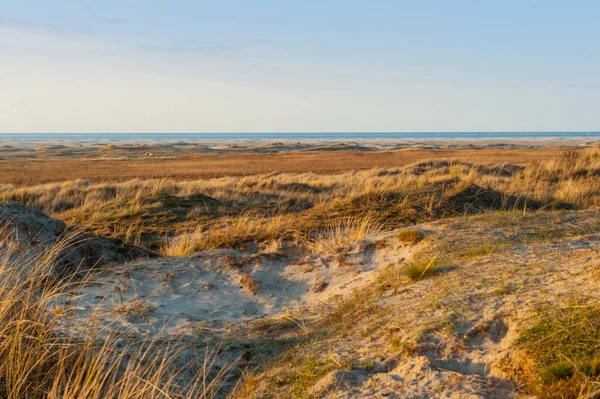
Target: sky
x,y
78,66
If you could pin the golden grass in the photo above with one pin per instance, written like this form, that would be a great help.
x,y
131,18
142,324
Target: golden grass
x,y
21,169
182,217
344,231
234,232
41,360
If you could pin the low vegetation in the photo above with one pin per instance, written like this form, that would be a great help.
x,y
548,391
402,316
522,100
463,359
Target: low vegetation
x,y
410,236
181,217
563,346
420,270
40,361
482,250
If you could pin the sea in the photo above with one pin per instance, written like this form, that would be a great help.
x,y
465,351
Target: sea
x,y
290,136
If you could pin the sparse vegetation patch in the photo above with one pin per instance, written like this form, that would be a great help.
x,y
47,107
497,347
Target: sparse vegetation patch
x,y
420,270
564,346
410,236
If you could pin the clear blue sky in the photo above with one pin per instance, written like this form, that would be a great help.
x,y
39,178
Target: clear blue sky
x,y
257,66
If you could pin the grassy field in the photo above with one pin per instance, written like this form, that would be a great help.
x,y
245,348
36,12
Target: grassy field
x,y
45,167
181,217
502,259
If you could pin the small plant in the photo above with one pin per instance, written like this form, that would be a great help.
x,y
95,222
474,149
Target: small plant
x,y
251,284
135,308
342,259
410,236
319,286
391,278
482,250
402,347
298,319
503,290
367,364
420,270
591,368
232,262
557,371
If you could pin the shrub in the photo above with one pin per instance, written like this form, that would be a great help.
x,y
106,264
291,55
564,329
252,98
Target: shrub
x,y
410,236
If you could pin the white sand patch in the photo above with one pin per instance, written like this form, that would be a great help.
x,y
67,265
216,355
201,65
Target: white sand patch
x,y
182,296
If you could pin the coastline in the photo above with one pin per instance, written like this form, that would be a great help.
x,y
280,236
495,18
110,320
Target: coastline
x,y
292,144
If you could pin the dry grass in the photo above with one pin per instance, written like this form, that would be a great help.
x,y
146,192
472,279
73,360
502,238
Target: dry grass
x,y
233,233
45,167
391,278
432,189
181,217
344,231
40,361
250,283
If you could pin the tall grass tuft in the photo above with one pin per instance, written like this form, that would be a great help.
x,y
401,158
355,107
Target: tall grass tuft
x,y
233,233
419,270
344,231
44,356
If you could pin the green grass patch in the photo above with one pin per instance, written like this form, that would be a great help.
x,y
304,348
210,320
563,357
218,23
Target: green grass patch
x,y
420,270
564,346
482,250
503,290
296,380
310,370
410,236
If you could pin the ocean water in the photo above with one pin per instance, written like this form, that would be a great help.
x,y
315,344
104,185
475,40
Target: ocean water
x,y
287,136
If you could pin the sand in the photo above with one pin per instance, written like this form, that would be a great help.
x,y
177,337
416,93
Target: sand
x,y
463,327
209,290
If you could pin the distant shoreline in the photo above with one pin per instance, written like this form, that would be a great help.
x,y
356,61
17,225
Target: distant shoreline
x,y
257,137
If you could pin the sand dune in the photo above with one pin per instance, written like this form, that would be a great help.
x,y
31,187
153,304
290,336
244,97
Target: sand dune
x,y
27,233
181,296
456,331
438,279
